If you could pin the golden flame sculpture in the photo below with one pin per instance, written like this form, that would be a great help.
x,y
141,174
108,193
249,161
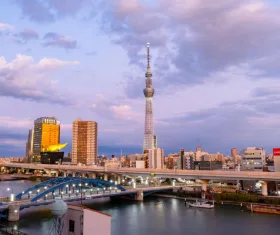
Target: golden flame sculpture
x,y
55,148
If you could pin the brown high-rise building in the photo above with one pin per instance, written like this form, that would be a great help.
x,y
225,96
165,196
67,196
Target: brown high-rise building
x,y
84,142
234,154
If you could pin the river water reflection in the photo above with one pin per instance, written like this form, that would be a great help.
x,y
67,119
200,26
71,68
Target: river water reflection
x,y
162,216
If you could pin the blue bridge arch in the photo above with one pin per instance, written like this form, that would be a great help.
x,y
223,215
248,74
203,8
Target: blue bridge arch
x,y
51,185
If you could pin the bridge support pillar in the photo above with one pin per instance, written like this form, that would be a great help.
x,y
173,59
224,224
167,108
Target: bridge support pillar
x,y
83,174
93,175
204,184
264,188
14,210
106,176
139,195
119,179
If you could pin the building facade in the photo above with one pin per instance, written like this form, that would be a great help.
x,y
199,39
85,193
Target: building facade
x,y
155,158
155,142
252,159
84,142
29,146
80,220
208,165
46,133
234,154
276,157
189,158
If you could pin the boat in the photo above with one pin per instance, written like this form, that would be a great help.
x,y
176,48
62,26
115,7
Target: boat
x,y
202,204
271,209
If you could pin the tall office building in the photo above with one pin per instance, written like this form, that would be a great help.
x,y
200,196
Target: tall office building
x,y
29,146
234,154
29,143
149,93
46,133
84,142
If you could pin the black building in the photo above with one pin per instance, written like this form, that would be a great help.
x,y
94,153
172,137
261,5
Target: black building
x,y
52,157
208,165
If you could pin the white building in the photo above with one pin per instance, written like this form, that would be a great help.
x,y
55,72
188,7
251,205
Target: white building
x,y
155,157
252,159
80,220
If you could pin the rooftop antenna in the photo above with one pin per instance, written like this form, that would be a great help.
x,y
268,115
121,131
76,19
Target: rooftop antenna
x,y
58,209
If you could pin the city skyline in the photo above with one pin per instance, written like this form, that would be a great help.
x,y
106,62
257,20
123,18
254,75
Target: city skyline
x,y
216,72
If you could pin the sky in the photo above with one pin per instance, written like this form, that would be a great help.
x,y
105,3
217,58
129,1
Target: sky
x,y
215,66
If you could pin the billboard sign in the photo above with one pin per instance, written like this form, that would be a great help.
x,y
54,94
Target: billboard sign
x,y
276,152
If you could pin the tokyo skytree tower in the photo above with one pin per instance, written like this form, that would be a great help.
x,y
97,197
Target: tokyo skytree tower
x,y
149,93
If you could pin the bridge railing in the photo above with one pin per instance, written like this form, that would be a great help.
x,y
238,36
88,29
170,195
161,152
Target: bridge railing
x,y
6,230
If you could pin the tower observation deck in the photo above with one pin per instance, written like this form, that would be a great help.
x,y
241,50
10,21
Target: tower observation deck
x,y
148,93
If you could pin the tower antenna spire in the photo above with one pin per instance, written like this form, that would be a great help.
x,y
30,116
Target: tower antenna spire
x,y
148,55
148,93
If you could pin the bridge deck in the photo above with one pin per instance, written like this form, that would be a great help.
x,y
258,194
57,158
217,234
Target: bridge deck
x,y
187,174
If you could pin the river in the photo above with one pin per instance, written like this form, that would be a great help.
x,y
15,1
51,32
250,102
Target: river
x,y
163,216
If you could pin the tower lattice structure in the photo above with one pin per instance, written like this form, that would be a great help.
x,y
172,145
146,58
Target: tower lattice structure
x,y
149,93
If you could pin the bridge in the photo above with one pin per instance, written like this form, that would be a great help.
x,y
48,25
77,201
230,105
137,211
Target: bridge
x,y
71,189
164,173
203,175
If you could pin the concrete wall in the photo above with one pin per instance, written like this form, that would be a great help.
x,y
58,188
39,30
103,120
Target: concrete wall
x,y
96,223
140,164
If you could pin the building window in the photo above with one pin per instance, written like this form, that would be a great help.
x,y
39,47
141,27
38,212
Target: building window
x,y
71,226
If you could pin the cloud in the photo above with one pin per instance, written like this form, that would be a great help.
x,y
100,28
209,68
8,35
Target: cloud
x,y
57,40
50,10
11,122
114,109
51,63
35,10
67,7
23,79
192,40
26,35
91,53
251,122
12,142
6,28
